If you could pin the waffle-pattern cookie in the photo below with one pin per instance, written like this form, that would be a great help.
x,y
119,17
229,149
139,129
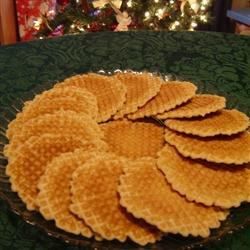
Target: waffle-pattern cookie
x,y
95,200
204,182
109,91
220,149
71,91
54,197
30,163
133,139
140,89
224,122
46,106
146,194
172,94
60,122
199,105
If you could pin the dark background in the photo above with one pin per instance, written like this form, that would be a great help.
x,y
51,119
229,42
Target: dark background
x,y
220,22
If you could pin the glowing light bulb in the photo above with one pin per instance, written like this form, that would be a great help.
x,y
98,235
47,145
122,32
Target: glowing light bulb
x,y
172,26
171,1
81,28
147,14
194,24
203,18
160,13
156,1
129,3
177,23
37,23
72,26
205,2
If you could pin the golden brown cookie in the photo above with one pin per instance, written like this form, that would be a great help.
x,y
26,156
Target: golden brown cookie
x,y
146,194
224,122
233,149
96,201
61,122
109,92
30,163
46,106
204,182
140,89
133,139
78,93
54,196
199,105
172,94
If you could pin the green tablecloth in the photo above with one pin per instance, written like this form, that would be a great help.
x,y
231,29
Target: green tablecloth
x,y
220,63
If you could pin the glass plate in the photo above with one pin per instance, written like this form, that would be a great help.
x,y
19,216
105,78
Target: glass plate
x,y
238,218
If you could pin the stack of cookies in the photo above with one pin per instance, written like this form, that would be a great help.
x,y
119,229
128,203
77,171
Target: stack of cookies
x,y
89,155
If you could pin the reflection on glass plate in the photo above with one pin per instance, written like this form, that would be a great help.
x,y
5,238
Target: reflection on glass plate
x,y
238,218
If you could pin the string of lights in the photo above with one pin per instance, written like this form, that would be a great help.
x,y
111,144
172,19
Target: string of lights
x,y
75,17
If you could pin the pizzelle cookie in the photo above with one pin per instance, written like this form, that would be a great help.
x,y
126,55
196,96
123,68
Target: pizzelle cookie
x,y
133,139
54,197
204,182
146,194
46,106
60,122
78,93
224,122
233,149
199,105
140,89
95,200
172,94
30,163
109,92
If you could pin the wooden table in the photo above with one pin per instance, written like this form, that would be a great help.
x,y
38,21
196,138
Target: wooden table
x,y
8,32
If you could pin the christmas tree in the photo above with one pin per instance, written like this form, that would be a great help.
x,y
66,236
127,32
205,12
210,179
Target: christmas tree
x,y
75,16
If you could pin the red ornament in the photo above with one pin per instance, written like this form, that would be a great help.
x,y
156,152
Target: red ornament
x,y
62,2
133,25
113,26
94,27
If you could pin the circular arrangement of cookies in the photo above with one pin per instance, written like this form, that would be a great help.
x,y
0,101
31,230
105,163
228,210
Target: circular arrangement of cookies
x,y
129,156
